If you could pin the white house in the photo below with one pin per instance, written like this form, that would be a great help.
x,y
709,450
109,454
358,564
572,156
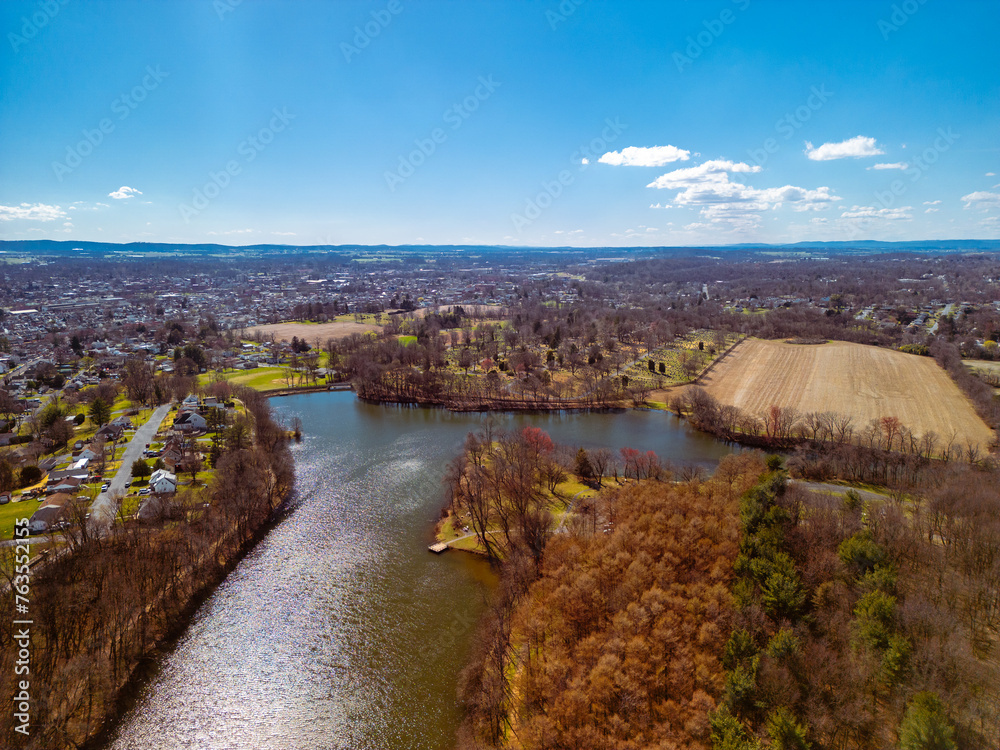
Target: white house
x,y
163,482
190,420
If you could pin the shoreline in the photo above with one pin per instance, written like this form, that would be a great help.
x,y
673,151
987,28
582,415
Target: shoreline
x,y
130,691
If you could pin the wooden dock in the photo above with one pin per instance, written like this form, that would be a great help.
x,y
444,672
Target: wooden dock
x,y
438,548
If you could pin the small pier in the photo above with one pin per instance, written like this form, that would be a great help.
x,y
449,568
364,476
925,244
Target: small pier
x,y
438,548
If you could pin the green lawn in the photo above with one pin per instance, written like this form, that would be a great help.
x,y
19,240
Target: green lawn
x,y
12,511
260,378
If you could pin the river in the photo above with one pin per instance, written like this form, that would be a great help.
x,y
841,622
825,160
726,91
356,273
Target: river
x,y
340,630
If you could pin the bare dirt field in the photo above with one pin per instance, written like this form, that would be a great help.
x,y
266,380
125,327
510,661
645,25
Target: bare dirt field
x,y
312,332
866,382
472,311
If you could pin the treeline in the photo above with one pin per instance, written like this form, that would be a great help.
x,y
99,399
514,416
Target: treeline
x,y
864,626
979,392
103,605
883,451
614,641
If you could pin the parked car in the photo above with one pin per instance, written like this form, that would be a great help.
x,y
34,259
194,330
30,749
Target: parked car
x,y
145,491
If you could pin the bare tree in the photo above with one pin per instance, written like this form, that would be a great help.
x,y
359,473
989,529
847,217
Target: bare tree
x,y
137,377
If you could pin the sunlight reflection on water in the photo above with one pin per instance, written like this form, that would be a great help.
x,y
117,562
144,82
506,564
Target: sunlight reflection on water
x,y
339,630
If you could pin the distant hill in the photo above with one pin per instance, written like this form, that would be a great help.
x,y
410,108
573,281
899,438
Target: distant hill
x,y
102,249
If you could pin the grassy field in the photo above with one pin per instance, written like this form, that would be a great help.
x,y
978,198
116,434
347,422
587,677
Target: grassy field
x,y
260,378
865,382
12,511
313,332
673,358
983,364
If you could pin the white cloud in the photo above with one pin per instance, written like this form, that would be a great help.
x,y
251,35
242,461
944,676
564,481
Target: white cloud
x,y
285,234
932,203
870,212
991,174
585,160
855,147
892,165
711,171
645,156
931,210
981,199
32,212
232,231
723,201
124,192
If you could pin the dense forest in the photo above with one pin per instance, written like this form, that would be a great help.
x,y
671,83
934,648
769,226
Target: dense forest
x,y
742,612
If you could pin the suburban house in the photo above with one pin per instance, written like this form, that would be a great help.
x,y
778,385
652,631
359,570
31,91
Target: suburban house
x,y
49,513
88,453
163,482
124,422
66,484
190,421
110,432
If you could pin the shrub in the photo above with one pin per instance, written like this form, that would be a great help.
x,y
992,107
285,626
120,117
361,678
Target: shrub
x,y
30,475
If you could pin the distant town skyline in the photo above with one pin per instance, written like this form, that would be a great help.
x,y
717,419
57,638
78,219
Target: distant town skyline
x,y
536,123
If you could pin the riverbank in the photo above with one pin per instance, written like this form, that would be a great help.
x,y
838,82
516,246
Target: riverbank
x,y
147,665
100,612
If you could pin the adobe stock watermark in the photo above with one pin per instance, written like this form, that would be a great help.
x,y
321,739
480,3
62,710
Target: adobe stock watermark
x,y
455,116
224,7
553,189
901,13
363,35
447,638
249,149
918,166
32,25
122,106
561,12
789,123
714,28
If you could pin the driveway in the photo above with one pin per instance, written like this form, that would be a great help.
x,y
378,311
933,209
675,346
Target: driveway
x,y
102,511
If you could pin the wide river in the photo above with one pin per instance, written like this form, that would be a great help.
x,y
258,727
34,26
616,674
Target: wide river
x,y
340,630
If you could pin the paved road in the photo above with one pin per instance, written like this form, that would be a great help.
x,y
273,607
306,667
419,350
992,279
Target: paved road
x,y
102,511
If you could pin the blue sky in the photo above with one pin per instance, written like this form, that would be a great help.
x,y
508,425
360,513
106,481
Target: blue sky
x,y
581,122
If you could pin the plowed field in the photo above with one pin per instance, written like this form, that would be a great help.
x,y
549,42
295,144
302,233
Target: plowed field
x,y
866,382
